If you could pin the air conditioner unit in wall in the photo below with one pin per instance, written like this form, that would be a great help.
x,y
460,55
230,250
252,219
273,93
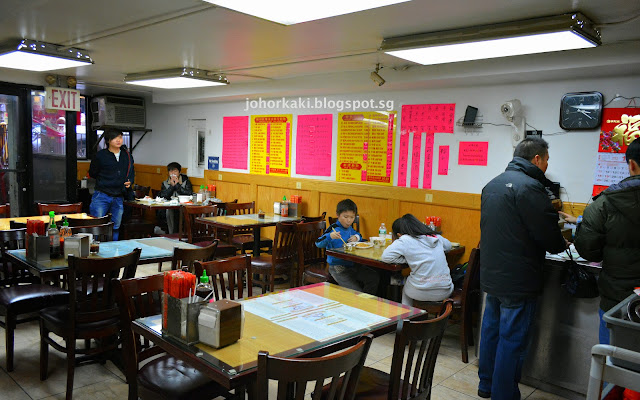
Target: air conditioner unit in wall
x,y
118,112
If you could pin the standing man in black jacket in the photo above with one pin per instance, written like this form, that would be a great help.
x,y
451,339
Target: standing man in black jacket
x,y
112,168
518,224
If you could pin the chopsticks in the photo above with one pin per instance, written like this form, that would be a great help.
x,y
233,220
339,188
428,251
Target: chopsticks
x,y
334,229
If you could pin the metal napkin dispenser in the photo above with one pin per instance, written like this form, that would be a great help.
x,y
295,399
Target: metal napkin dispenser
x,y
220,323
180,317
38,248
77,246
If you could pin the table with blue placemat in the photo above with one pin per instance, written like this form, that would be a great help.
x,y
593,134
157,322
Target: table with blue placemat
x,y
157,249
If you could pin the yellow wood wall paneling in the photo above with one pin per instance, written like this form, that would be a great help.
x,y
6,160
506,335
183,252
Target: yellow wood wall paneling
x,y
229,191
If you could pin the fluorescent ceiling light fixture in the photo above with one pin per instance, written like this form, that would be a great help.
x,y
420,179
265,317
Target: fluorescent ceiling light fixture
x,y
32,55
538,35
289,12
178,78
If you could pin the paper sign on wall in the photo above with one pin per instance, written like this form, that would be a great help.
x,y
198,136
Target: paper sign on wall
x,y
473,153
235,142
428,118
366,147
428,162
313,144
443,160
270,145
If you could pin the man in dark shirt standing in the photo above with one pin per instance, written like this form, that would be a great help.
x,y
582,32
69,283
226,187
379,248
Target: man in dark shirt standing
x,y
518,224
113,170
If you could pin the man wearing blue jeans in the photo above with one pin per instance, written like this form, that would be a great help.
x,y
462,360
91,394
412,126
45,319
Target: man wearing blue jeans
x,y
518,224
112,168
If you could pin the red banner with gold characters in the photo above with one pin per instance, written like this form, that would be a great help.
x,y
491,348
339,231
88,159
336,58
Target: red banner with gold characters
x,y
366,143
620,127
270,145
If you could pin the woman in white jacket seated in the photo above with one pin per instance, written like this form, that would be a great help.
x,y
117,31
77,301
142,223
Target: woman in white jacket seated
x,y
417,245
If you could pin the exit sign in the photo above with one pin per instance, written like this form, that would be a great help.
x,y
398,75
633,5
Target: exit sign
x,y
62,99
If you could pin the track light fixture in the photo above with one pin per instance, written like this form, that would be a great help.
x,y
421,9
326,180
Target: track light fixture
x,y
376,77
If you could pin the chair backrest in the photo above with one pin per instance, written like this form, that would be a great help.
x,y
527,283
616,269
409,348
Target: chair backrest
x,y
44,208
196,231
284,244
422,338
155,193
137,298
186,257
141,191
234,268
10,274
87,303
241,209
137,231
17,225
471,284
356,222
322,217
293,374
222,207
89,221
5,211
103,233
308,252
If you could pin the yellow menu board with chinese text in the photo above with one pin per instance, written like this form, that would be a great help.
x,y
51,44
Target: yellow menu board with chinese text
x,y
270,145
366,143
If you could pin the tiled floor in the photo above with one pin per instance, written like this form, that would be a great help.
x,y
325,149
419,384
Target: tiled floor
x,y
453,379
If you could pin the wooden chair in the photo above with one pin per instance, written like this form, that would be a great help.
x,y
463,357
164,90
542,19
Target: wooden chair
x,y
410,377
141,191
267,266
74,222
235,268
21,293
465,301
322,217
103,233
17,225
243,237
155,193
293,374
198,233
164,377
5,211
90,313
312,260
44,208
137,231
186,257
224,234
356,222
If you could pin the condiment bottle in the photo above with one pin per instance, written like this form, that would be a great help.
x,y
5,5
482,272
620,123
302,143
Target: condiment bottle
x,y
284,207
54,236
204,288
65,232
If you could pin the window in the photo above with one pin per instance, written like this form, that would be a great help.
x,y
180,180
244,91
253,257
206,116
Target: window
x,y
81,129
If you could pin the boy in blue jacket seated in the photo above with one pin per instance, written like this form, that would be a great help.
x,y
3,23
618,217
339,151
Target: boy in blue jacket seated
x,y
347,273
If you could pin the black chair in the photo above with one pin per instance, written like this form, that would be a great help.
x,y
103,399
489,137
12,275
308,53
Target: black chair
x,y
162,376
267,266
90,313
75,222
243,237
319,218
184,258
312,260
103,233
44,208
21,293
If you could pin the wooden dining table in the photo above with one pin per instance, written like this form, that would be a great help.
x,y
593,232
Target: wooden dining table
x,y
154,250
297,322
5,223
253,221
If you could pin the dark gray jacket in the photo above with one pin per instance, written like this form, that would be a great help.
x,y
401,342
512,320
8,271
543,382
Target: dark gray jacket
x,y
610,232
168,191
518,224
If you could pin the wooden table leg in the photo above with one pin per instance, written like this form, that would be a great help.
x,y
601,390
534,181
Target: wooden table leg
x,y
256,242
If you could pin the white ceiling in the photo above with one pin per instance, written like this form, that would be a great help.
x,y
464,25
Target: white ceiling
x,y
333,55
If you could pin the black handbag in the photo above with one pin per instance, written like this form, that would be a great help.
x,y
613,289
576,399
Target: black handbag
x,y
578,281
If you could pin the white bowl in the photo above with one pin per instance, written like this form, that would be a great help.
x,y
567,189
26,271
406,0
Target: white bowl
x,y
184,199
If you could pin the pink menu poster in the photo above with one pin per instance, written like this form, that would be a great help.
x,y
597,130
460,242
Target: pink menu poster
x,y
428,162
403,159
313,144
428,118
473,153
235,142
415,159
443,160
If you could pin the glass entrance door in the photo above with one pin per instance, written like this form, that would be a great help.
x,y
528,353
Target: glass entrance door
x,y
9,170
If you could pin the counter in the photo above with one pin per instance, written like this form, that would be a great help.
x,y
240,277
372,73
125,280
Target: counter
x,y
564,330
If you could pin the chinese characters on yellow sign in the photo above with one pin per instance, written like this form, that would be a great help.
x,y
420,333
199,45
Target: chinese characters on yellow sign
x,y
366,143
270,145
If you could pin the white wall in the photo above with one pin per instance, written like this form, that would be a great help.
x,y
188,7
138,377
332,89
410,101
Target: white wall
x,y
572,154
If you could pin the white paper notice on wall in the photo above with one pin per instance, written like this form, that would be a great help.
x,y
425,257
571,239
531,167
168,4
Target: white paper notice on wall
x,y
610,168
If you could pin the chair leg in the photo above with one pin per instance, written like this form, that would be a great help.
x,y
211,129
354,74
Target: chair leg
x,y
464,337
10,326
71,363
159,267
44,352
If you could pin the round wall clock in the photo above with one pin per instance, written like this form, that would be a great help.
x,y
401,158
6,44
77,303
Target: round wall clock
x,y
581,110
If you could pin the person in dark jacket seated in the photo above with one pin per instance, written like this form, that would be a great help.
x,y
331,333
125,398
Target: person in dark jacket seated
x,y
176,184
113,170
608,232
517,224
